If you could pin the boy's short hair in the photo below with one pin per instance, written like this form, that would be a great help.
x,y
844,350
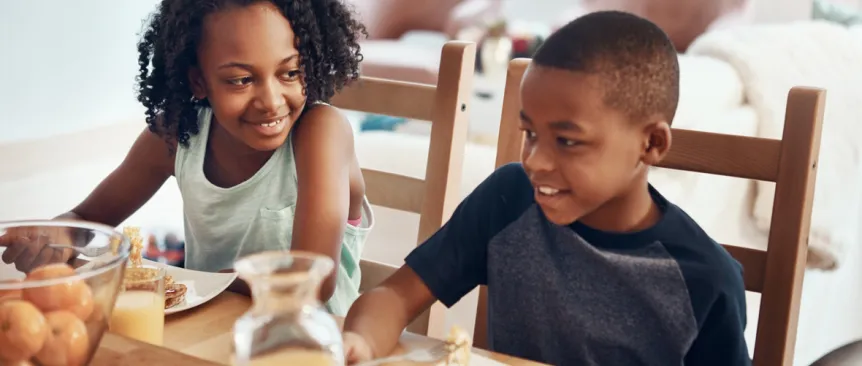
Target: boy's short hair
x,y
633,57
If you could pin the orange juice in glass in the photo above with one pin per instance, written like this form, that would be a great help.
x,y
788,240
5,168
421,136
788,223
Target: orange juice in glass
x,y
294,357
139,312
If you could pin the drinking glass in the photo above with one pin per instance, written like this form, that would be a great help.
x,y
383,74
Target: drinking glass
x,y
139,312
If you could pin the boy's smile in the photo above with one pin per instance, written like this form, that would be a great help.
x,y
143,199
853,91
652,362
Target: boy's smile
x,y
584,159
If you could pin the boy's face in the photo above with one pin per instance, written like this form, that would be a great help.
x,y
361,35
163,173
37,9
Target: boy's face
x,y
580,154
249,71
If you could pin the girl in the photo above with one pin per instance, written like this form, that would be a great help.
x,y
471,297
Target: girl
x,y
236,92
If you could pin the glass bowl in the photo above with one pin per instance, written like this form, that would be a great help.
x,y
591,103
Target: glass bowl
x,y
55,303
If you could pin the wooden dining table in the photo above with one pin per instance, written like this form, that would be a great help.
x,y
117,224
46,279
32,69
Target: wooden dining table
x,y
202,337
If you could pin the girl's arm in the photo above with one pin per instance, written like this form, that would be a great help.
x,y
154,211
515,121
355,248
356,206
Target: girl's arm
x,y
146,167
148,164
323,146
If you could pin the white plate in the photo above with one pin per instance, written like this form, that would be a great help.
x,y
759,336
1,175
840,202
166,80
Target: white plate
x,y
202,286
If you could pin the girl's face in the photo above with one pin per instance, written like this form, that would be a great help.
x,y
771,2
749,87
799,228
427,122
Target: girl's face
x,y
249,71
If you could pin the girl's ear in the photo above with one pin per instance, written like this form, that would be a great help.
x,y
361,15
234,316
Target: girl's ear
x,y
658,142
196,80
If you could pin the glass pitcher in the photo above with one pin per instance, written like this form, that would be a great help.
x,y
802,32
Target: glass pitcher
x,y
287,324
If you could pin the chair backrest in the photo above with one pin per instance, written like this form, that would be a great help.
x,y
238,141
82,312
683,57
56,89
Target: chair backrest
x,y
445,106
790,162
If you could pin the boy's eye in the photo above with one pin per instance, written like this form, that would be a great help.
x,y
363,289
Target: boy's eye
x,y
530,135
239,81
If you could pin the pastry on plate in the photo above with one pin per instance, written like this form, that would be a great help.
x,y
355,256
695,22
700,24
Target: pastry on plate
x,y
458,345
175,293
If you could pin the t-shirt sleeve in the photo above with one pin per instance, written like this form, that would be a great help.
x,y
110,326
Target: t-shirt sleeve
x,y
454,260
721,340
722,320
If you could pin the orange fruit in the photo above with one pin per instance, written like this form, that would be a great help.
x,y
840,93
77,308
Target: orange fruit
x,y
67,343
23,330
10,294
73,295
81,300
98,315
19,363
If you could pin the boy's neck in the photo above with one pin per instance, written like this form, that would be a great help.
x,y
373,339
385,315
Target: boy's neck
x,y
632,211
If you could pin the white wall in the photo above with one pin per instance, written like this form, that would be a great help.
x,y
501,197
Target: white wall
x,y
67,65
774,11
71,65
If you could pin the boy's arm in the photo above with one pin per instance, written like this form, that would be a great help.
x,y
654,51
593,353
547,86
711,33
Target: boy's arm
x,y
721,340
379,315
446,267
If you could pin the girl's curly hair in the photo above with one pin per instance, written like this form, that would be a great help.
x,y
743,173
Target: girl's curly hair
x,y
327,38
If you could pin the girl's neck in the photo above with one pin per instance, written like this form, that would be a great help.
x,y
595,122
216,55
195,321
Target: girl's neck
x,y
228,161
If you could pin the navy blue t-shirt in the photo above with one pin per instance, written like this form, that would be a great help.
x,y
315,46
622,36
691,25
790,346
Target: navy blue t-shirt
x,y
667,295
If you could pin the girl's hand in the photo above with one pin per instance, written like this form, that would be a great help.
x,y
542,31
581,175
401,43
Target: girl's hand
x,y
238,286
26,247
356,349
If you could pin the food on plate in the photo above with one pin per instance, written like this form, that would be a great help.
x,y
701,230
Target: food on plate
x,y
73,295
175,293
137,245
67,342
458,344
23,330
115,245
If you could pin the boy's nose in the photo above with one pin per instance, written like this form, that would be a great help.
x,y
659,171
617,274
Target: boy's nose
x,y
536,159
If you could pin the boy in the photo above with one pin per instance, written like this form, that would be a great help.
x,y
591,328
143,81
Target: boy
x,y
585,262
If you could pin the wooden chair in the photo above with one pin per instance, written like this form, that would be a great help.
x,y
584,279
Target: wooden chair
x,y
445,105
790,162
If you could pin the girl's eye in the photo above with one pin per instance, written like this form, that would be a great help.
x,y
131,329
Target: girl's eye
x,y
530,135
240,81
566,142
291,75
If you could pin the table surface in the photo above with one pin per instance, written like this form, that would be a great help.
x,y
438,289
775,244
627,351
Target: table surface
x,y
203,336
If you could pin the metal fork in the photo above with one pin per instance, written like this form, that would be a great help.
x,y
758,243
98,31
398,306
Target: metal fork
x,y
433,354
91,252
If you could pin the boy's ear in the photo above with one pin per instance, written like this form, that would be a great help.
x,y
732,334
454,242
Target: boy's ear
x,y
658,142
196,80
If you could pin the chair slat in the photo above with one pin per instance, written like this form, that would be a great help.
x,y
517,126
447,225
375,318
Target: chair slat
x,y
388,97
394,191
735,156
753,263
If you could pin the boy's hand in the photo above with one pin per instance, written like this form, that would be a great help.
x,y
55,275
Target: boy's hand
x,y
356,349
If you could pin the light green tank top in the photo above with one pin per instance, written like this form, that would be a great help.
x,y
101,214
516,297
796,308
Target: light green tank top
x,y
223,224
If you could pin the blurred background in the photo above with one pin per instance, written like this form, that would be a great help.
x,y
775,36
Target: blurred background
x,y
68,114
